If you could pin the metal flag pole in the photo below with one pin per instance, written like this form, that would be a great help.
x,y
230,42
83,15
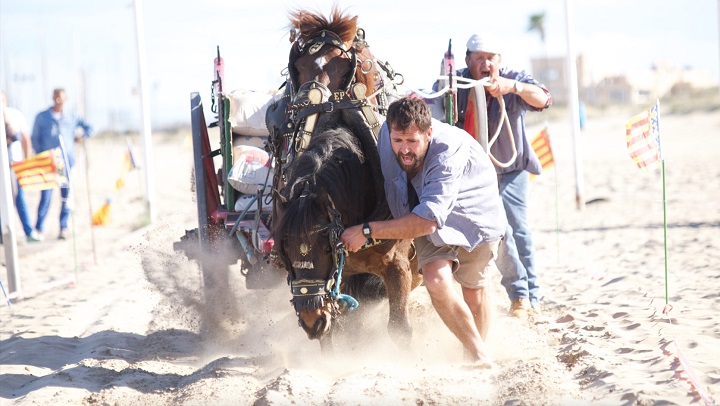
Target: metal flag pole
x,y
146,131
87,192
9,239
573,104
68,200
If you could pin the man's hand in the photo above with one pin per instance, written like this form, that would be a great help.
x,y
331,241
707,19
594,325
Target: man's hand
x,y
500,86
353,238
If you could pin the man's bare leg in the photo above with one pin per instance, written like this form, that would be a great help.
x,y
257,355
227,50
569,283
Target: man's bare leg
x,y
452,309
477,301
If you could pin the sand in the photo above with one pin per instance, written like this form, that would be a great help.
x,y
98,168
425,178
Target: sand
x,y
115,316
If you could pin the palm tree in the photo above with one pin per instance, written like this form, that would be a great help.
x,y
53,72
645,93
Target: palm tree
x,y
537,23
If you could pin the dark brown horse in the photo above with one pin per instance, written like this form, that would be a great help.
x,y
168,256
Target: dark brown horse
x,y
332,179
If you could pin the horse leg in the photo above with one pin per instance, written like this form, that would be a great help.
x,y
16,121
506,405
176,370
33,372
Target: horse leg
x,y
326,343
398,282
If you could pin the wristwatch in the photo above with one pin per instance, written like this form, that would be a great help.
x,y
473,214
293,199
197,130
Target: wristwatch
x,y
366,231
517,87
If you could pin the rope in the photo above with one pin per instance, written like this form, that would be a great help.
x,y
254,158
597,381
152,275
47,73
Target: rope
x,y
346,300
470,83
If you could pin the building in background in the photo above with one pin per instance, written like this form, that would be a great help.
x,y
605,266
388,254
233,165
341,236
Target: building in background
x,y
641,87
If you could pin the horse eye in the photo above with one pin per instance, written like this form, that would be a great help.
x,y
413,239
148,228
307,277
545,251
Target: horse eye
x,y
328,250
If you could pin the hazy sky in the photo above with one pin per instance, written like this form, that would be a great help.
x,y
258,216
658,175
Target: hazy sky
x,y
89,46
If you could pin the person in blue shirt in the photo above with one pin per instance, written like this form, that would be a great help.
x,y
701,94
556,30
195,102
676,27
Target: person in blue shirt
x,y
520,93
442,192
55,128
18,143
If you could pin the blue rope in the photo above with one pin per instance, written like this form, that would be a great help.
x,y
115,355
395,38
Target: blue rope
x,y
345,300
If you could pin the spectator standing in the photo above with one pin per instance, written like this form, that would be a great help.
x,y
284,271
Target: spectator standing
x,y
19,146
521,93
55,128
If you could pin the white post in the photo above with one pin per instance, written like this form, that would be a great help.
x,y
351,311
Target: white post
x,y
6,208
573,104
145,133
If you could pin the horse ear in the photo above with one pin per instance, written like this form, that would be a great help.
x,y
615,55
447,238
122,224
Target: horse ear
x,y
292,71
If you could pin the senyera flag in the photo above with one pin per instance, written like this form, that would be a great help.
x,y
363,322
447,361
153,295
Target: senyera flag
x,y
642,134
541,144
39,172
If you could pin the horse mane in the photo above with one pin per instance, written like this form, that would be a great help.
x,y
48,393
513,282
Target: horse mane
x,y
330,168
308,24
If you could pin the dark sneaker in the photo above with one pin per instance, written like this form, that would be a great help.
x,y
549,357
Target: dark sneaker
x,y
64,234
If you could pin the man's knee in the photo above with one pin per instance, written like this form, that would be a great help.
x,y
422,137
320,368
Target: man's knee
x,y
474,296
436,275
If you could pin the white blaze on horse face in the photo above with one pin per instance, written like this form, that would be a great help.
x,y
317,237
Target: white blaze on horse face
x,y
320,62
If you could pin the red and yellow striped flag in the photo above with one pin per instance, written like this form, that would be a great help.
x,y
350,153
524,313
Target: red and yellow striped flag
x,y
642,134
38,172
541,144
102,215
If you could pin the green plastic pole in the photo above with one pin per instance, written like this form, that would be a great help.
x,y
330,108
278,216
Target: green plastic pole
x,y
665,243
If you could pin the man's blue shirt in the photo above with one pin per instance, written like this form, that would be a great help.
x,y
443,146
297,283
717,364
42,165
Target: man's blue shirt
x,y
47,132
456,187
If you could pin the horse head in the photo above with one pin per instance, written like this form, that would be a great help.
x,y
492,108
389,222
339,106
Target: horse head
x,y
328,186
331,52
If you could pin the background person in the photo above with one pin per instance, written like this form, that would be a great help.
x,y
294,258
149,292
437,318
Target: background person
x,y
521,93
51,126
19,148
442,192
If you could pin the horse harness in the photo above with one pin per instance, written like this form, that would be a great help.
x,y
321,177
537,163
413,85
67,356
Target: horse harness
x,y
292,120
309,294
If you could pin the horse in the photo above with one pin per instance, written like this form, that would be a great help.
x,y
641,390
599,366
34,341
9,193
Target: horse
x,y
331,179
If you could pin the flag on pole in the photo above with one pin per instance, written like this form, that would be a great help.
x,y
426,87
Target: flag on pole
x,y
541,145
127,165
102,215
38,172
642,134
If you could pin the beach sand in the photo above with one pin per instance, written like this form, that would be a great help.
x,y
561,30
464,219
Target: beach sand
x,y
115,316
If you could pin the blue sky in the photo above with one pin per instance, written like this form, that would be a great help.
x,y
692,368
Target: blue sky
x,y
89,46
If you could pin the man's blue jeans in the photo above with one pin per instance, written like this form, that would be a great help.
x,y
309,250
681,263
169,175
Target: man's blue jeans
x,y
22,210
44,207
516,256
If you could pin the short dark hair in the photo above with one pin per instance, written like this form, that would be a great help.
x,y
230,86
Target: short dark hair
x,y
408,111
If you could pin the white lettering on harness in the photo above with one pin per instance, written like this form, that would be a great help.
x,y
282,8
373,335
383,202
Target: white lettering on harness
x,y
303,265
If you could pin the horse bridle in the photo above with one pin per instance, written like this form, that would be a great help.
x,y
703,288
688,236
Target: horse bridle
x,y
311,294
315,44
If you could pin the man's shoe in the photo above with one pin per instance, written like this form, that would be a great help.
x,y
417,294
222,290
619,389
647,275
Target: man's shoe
x,y
536,310
34,236
519,308
63,234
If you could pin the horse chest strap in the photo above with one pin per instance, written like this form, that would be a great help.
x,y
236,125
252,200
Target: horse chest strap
x,y
371,242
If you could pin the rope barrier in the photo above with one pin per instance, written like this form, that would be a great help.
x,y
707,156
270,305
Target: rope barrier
x,y
694,382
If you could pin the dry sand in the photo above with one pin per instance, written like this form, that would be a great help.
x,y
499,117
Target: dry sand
x,y
121,321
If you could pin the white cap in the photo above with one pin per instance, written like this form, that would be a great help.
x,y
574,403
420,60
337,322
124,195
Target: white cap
x,y
478,44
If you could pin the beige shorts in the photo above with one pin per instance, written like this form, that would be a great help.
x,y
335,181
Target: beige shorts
x,y
469,268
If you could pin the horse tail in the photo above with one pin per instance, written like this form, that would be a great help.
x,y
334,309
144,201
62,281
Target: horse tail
x,y
365,286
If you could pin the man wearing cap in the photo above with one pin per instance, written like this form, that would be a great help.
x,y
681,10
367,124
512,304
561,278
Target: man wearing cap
x,y
520,93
